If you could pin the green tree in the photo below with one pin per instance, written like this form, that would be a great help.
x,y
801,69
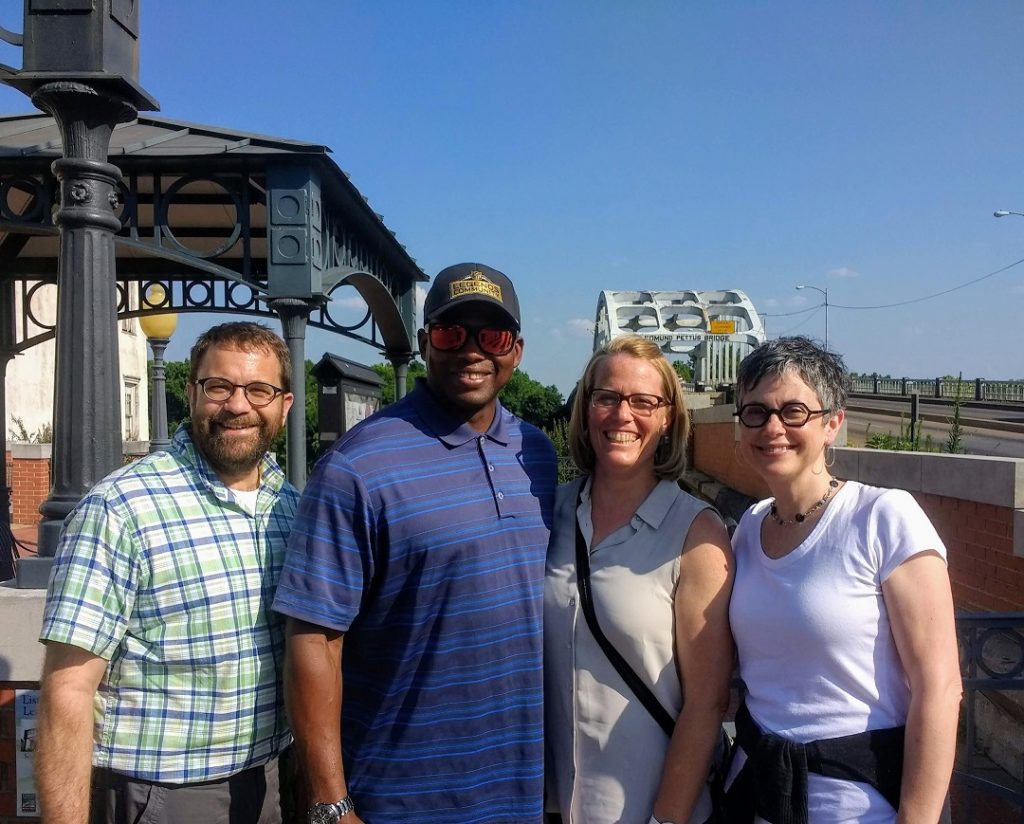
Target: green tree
x,y
387,371
558,432
531,400
21,435
683,370
175,379
955,437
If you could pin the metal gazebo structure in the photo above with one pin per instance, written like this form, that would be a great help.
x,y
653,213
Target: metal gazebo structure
x,y
223,221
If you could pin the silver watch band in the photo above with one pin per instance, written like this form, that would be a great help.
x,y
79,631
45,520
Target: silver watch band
x,y
324,812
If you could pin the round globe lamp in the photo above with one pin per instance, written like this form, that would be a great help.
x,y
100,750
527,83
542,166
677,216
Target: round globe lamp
x,y
158,327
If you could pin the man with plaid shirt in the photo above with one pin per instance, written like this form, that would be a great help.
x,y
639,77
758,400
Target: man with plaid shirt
x,y
161,690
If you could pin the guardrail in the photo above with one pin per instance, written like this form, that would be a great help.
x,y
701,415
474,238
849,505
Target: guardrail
x,y
967,390
977,389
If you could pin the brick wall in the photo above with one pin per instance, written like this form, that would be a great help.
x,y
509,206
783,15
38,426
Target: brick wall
x,y
28,476
985,573
713,452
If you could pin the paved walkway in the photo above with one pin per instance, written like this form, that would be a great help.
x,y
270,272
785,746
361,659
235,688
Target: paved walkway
x,y
987,808
26,536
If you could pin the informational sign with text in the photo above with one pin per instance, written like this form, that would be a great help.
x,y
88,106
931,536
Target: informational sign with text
x,y
26,706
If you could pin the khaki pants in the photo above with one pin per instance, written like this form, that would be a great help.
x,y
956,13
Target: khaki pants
x,y
248,797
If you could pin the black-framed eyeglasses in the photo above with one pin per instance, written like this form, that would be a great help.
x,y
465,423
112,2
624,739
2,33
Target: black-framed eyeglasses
x,y
793,415
640,402
450,337
258,393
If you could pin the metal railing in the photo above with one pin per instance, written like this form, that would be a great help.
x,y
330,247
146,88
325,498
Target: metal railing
x,y
975,390
991,662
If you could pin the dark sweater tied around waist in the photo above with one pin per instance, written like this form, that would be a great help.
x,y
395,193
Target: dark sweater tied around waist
x,y
773,781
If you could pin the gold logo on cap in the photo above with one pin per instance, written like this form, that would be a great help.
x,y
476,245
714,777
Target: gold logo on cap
x,y
474,284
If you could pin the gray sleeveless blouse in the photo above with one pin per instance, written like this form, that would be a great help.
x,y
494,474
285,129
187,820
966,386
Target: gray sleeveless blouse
x,y
604,751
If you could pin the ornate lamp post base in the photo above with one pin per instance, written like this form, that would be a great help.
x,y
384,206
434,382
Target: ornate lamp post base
x,y
87,410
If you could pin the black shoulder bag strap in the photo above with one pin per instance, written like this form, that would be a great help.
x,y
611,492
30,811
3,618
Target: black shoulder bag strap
x,y
640,689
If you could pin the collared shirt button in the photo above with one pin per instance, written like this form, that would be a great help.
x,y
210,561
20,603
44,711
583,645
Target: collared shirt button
x,y
482,439
572,602
490,467
501,496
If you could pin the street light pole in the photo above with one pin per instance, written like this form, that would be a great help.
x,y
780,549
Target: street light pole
x,y
158,328
825,293
80,65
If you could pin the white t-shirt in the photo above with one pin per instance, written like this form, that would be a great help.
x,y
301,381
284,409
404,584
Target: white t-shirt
x,y
815,647
246,498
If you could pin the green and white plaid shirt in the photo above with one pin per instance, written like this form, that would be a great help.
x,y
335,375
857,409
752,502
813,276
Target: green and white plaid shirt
x,y
163,574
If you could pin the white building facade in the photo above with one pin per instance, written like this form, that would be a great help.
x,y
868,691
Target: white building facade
x,y
30,375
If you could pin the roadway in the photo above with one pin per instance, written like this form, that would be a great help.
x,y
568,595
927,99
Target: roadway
x,y
988,428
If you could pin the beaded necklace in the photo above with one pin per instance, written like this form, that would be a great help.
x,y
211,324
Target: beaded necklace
x,y
799,518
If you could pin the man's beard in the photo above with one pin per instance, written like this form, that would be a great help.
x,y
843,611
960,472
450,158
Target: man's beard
x,y
233,455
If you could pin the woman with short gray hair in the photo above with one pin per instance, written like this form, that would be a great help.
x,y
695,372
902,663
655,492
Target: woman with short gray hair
x,y
842,616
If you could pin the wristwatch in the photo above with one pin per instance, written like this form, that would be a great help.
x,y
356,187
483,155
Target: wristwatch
x,y
329,813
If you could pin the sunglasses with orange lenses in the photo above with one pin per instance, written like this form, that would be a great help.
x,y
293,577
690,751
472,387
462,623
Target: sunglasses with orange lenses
x,y
450,337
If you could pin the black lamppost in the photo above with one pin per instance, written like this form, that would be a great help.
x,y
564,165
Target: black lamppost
x,y
81,66
158,328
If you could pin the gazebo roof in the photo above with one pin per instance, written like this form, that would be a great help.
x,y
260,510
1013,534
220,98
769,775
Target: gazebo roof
x,y
160,144
225,219
149,135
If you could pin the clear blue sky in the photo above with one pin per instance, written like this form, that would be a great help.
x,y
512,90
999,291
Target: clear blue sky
x,y
584,145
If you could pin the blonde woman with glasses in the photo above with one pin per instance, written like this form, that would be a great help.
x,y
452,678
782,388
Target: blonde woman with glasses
x,y
660,571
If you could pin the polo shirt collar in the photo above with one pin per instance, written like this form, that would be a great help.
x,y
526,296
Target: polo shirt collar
x,y
654,509
448,428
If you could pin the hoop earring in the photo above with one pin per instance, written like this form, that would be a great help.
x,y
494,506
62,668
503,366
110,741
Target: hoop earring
x,y
824,464
830,459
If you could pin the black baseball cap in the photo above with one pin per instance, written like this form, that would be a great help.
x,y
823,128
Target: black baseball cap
x,y
468,282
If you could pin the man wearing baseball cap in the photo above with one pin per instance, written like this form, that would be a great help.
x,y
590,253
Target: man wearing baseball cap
x,y
413,587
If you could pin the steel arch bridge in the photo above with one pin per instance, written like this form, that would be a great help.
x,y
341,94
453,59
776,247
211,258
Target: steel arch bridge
x,y
714,328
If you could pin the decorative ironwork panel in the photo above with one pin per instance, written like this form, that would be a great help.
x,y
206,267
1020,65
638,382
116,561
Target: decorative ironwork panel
x,y
992,667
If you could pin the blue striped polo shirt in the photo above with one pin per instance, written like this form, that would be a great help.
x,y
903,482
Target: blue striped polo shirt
x,y
424,541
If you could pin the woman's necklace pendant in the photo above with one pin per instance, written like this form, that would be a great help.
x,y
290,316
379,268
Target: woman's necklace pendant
x,y
800,517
